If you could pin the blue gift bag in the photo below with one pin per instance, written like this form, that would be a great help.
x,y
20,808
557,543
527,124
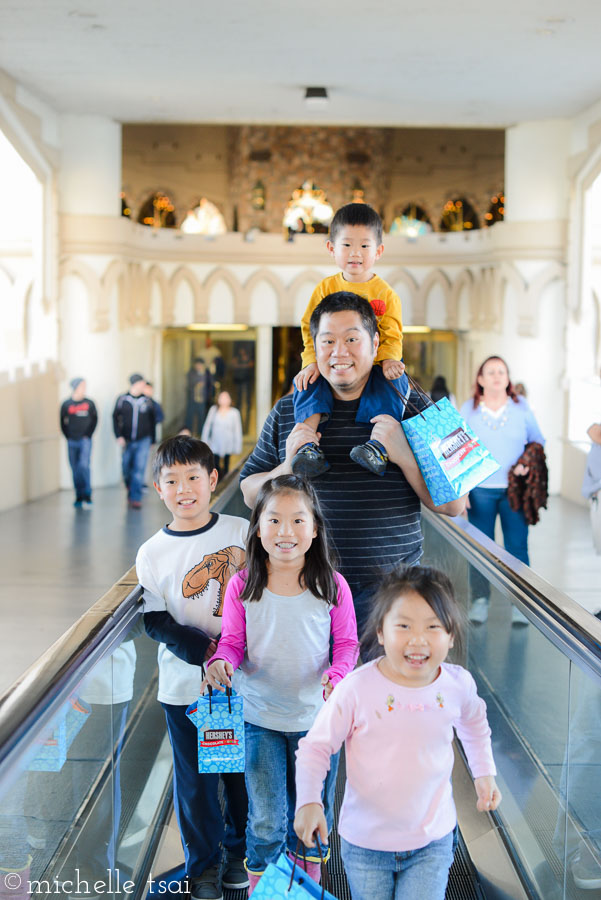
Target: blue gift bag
x,y
278,883
451,458
220,724
52,753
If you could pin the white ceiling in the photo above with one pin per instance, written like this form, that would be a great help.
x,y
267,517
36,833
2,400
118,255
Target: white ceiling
x,y
384,62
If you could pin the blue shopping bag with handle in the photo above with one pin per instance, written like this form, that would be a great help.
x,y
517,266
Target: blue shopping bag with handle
x,y
286,880
220,724
451,458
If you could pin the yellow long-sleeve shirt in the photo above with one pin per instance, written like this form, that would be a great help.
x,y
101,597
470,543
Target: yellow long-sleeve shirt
x,y
384,302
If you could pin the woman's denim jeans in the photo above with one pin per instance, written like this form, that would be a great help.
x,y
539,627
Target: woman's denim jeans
x,y
270,768
485,505
408,875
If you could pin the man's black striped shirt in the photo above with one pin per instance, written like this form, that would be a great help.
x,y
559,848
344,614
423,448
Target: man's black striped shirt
x,y
374,521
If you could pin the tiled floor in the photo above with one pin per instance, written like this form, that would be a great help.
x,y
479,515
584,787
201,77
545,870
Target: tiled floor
x,y
56,561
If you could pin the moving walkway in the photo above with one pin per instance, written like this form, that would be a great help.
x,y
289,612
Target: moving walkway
x,y
85,762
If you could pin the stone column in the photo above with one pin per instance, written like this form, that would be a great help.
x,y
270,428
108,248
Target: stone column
x,y
90,173
89,185
263,373
536,177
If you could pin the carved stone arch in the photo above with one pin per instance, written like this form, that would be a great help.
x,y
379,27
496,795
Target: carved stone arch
x,y
529,310
506,274
435,277
118,275
465,279
265,275
400,275
9,276
222,274
184,274
309,277
155,275
99,307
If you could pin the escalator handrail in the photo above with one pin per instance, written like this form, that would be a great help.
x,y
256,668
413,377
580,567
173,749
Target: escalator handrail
x,y
37,695
574,630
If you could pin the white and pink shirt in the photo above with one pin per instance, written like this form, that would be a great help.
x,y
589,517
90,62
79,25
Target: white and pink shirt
x,y
399,755
281,645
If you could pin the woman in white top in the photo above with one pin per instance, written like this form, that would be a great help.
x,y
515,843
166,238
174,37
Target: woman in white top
x,y
222,431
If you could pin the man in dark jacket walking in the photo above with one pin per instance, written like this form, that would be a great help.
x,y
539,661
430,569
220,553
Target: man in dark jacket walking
x,y
78,420
134,424
199,393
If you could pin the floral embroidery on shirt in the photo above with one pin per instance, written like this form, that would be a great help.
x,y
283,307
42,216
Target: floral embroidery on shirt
x,y
412,707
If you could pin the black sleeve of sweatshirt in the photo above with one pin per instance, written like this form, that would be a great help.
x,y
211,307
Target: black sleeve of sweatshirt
x,y
93,419
184,641
64,418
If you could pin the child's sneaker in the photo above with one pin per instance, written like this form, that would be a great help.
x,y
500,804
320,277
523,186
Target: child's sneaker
x,y
208,885
235,875
372,456
310,461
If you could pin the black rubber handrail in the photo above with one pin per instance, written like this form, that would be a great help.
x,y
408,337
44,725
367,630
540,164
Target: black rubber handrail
x,y
34,698
568,625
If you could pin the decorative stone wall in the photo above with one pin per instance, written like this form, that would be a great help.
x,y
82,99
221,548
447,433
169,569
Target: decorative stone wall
x,y
394,166
282,158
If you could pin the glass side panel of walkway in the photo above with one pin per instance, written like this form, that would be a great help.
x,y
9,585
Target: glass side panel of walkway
x,y
540,675
85,764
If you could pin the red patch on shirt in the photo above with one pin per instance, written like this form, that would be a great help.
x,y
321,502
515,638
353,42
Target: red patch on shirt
x,y
378,306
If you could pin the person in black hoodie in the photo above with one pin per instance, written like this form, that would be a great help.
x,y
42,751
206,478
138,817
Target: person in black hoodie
x,y
78,419
134,425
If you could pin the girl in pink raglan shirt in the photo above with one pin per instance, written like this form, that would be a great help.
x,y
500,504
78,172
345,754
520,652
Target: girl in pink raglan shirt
x,y
396,716
278,616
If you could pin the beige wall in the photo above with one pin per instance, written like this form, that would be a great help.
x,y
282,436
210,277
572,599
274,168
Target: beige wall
x,y
29,436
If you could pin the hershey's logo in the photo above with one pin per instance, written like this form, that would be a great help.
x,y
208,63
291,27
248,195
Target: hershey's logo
x,y
222,734
453,442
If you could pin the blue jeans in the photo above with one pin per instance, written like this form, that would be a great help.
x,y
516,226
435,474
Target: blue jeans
x,y
363,601
79,460
485,505
408,875
270,768
133,463
202,825
378,397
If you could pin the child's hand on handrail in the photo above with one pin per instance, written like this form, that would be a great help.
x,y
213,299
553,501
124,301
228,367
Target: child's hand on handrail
x,y
306,376
219,675
489,795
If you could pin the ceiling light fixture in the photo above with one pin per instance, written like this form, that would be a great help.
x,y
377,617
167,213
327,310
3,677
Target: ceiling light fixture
x,y
316,97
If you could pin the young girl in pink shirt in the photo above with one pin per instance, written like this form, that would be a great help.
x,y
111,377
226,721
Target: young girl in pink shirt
x,y
396,716
278,616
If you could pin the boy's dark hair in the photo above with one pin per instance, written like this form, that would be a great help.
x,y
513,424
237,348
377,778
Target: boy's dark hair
x,y
340,301
356,214
317,575
431,584
182,450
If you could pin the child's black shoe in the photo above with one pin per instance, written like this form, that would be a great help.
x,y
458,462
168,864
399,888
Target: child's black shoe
x,y
372,456
310,461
